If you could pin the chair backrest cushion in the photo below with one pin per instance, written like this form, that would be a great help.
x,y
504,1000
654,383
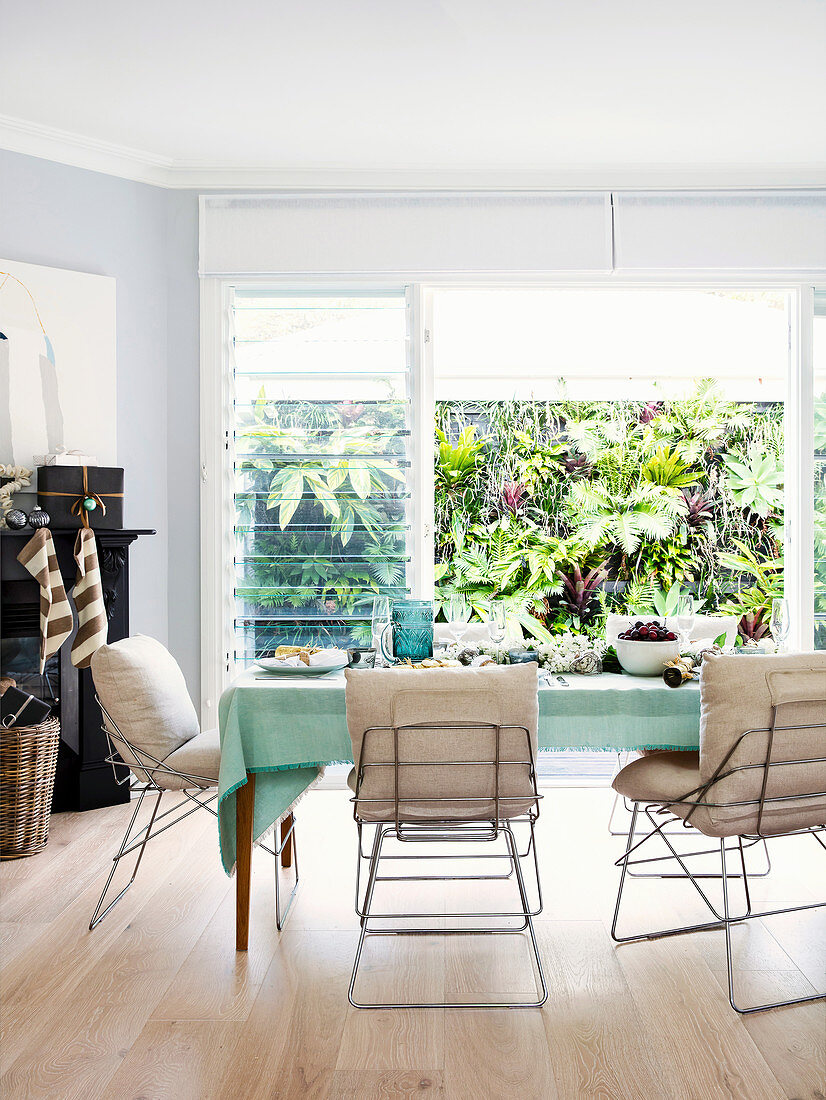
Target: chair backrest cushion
x,y
433,782
141,685
739,693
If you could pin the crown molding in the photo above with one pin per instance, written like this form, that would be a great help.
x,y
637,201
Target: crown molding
x,y
79,151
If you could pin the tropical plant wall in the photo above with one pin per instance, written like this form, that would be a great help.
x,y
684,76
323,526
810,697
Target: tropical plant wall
x,y
569,509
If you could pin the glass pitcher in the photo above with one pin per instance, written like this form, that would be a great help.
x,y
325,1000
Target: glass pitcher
x,y
411,625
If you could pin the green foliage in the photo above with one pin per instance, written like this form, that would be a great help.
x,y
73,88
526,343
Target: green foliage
x,y
753,602
533,497
601,516
666,602
667,469
457,461
320,514
754,480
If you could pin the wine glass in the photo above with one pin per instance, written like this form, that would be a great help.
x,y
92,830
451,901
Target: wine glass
x,y
457,616
779,622
381,617
496,622
685,616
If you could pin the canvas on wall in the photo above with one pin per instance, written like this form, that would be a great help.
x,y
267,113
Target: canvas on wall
x,y
57,364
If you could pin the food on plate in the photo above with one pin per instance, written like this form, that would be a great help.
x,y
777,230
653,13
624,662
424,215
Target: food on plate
x,y
303,653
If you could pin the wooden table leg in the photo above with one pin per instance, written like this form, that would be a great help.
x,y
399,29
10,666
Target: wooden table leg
x,y
244,807
287,845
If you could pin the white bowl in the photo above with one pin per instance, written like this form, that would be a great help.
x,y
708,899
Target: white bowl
x,y
646,658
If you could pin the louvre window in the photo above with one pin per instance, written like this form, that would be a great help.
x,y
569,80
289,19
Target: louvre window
x,y
322,465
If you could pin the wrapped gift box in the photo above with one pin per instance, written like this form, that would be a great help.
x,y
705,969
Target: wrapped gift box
x,y
62,491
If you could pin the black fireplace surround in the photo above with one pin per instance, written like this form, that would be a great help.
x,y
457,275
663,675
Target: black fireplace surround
x,y
84,779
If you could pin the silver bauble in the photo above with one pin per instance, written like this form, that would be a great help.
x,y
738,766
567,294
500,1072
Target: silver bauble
x,y
38,518
15,519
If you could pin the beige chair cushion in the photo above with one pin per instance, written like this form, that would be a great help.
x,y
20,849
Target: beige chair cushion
x,y
201,755
141,686
738,694
386,697
660,777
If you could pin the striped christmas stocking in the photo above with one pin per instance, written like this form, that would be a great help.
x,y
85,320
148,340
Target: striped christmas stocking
x,y
88,597
39,558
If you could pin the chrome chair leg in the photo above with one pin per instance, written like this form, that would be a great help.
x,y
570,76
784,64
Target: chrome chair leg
x,y
732,996
125,849
530,850
625,862
280,917
724,920
366,915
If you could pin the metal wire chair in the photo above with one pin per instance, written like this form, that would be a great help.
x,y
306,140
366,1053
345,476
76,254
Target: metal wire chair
x,y
438,819
687,808
141,776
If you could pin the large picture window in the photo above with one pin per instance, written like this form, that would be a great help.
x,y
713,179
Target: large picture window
x,y
322,470
610,450
570,450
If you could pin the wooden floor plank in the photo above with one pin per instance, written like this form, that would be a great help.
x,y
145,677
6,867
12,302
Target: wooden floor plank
x,y
186,1060
156,1003
597,1043
67,1035
793,1042
216,982
497,1053
386,1085
698,1041
403,969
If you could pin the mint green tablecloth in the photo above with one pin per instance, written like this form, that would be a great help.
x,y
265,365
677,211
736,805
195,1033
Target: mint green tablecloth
x,y
284,730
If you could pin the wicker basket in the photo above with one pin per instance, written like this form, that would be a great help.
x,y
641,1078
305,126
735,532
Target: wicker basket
x,y
28,760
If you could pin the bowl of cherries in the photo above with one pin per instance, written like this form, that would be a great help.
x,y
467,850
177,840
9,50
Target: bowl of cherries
x,y
645,648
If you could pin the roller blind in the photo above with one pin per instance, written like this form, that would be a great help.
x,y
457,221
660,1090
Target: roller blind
x,y
404,233
322,465
427,234
779,231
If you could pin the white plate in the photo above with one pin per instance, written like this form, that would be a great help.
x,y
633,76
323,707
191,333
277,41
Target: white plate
x,y
278,668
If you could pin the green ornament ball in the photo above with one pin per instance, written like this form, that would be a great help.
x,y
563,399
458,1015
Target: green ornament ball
x,y
90,504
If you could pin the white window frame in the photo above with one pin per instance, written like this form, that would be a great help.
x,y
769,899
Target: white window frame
x,y
217,547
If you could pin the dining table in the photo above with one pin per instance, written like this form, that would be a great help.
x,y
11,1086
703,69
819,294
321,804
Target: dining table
x,y
279,732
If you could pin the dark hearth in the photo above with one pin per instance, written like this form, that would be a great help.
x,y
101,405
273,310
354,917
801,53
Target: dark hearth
x,y
84,779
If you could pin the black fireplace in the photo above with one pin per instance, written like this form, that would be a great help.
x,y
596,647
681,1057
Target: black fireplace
x,y
84,779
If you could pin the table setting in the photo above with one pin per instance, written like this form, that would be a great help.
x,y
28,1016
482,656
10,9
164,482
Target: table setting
x,y
283,719
284,727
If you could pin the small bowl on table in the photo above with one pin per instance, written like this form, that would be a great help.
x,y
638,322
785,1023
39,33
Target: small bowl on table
x,y
648,654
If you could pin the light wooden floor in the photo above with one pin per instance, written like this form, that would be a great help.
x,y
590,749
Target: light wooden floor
x,y
155,1003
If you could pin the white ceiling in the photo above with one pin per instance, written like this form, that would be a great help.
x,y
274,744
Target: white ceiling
x,y
579,92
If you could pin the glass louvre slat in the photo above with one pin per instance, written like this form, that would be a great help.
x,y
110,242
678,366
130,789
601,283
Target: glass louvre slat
x,y
321,478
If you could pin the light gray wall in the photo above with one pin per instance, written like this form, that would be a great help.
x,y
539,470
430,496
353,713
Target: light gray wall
x,y
147,238
183,436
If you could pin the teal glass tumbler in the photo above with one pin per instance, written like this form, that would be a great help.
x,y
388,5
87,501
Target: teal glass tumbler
x,y
411,623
